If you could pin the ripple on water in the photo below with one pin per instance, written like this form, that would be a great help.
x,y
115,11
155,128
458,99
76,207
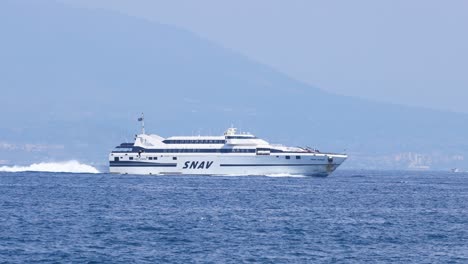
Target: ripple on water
x,y
350,217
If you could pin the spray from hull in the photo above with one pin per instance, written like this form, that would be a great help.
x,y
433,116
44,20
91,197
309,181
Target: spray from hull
x,y
71,166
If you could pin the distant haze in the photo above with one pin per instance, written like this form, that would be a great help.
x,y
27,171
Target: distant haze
x,y
74,80
410,52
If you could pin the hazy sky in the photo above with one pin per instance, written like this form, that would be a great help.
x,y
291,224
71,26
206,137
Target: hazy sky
x,y
413,52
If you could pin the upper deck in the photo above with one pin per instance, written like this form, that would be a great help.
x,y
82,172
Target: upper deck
x,y
230,142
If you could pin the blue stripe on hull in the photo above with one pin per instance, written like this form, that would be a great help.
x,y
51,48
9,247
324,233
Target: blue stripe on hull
x,y
140,164
268,165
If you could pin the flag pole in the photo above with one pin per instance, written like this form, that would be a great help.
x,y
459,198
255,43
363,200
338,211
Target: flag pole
x,y
143,123
142,120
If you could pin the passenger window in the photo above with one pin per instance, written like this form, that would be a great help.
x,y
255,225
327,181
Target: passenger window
x,y
298,157
288,157
174,158
116,159
130,158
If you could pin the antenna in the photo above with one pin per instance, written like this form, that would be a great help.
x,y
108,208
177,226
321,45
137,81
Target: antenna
x,y
142,120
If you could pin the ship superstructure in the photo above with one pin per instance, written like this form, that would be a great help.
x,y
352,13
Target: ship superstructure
x,y
230,154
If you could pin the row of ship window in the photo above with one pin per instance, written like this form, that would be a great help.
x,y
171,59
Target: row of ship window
x,y
199,150
173,141
240,137
289,157
203,141
175,158
227,150
150,158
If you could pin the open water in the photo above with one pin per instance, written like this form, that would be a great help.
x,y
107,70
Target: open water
x,y
349,217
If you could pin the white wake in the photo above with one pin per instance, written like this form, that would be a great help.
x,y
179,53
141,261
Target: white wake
x,y
71,166
281,175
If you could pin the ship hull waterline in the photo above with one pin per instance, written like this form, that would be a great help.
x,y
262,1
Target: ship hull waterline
x,y
304,165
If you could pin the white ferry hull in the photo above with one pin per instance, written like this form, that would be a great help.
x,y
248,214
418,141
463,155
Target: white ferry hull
x,y
238,165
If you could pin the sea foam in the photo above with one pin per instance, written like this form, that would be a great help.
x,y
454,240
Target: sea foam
x,y
71,166
281,175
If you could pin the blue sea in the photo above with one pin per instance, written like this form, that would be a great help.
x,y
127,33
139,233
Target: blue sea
x,y
349,217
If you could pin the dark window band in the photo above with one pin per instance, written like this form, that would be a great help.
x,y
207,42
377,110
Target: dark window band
x,y
193,141
240,137
141,150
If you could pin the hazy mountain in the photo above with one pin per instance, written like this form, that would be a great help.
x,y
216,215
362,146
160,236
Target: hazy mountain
x,y
73,82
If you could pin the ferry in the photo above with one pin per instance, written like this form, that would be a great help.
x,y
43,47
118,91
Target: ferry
x,y
233,153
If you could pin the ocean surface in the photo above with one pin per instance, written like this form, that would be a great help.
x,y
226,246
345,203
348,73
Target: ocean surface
x,y
349,217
